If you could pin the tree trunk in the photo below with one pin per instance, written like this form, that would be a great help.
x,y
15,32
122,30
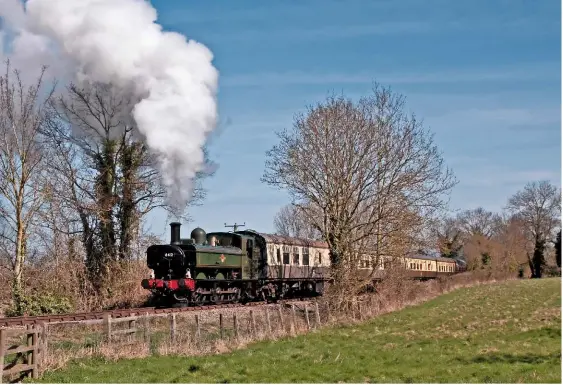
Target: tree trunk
x,y
538,260
558,249
106,251
130,160
17,287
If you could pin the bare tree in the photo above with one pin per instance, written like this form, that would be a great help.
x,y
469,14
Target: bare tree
x,y
365,174
504,250
538,206
23,113
291,222
106,180
479,222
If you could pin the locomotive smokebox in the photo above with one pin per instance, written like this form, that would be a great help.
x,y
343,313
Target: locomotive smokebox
x,y
175,233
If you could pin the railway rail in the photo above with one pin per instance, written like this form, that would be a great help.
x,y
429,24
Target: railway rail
x,y
119,313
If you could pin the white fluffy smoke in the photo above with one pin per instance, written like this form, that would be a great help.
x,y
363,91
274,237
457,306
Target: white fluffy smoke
x,y
118,42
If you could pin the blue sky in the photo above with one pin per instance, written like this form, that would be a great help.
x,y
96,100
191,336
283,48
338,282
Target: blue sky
x,y
485,77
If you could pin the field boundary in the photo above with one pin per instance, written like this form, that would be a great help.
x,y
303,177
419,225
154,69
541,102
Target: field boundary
x,y
219,330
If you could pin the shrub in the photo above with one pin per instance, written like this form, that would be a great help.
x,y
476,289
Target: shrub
x,y
38,304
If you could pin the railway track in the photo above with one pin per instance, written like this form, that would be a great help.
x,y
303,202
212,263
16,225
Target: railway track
x,y
118,313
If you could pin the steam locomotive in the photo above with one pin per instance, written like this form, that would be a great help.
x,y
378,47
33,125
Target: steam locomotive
x,y
225,267
244,266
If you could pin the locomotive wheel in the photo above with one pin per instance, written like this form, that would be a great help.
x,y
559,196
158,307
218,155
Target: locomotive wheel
x,y
197,298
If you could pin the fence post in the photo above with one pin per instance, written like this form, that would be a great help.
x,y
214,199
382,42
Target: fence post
x,y
41,345
29,343
253,321
33,356
132,325
197,331
2,345
281,318
146,326
317,314
293,323
378,303
45,351
235,326
307,317
221,325
268,321
172,327
107,326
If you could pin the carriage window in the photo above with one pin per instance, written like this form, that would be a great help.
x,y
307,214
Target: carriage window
x,y
286,255
278,256
296,255
306,256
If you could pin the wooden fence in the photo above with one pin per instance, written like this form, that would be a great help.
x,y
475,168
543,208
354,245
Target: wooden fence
x,y
25,349
23,356
111,331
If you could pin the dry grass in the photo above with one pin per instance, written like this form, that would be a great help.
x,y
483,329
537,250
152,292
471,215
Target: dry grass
x,y
68,282
75,341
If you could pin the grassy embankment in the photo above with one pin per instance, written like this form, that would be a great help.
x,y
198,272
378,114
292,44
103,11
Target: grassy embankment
x,y
502,332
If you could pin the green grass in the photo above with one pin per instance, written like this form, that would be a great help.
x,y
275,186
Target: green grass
x,y
503,332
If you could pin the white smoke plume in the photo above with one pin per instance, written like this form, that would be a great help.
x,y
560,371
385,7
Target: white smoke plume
x,y
118,42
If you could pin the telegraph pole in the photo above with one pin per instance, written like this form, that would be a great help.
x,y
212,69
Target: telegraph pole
x,y
235,226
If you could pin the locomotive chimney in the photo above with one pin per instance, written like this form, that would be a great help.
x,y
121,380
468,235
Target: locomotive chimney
x,y
175,233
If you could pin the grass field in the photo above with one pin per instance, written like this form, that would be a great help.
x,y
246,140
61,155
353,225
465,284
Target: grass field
x,y
502,332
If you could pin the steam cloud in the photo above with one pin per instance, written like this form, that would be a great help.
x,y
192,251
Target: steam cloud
x,y
118,42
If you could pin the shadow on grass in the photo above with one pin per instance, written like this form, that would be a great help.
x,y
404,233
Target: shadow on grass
x,y
500,358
